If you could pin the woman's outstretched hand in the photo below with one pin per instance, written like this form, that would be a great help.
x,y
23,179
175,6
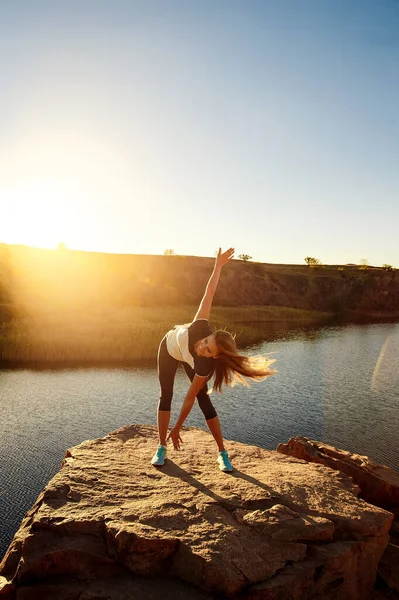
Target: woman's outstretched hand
x,y
174,435
223,257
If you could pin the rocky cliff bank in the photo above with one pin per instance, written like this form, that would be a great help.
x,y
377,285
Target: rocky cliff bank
x,y
80,280
111,526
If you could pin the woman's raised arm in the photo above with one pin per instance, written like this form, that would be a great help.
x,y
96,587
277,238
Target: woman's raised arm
x,y
204,309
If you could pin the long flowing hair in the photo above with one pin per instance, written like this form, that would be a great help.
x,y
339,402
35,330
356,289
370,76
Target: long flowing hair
x,y
231,366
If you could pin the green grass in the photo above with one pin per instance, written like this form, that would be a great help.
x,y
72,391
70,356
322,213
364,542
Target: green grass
x,y
125,335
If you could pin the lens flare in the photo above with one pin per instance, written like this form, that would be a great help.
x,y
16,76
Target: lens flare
x,y
386,370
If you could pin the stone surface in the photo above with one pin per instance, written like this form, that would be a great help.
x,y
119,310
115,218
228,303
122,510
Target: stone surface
x,y
126,587
389,567
7,589
378,484
277,527
383,594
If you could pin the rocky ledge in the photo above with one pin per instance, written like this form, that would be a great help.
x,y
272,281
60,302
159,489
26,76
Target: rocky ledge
x,y
378,485
111,526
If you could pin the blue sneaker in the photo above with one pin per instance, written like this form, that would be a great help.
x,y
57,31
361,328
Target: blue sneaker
x,y
159,457
224,463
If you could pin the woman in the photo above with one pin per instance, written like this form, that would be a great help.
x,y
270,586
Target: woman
x,y
203,354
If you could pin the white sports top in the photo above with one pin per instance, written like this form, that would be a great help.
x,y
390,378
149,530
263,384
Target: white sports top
x,y
180,343
177,344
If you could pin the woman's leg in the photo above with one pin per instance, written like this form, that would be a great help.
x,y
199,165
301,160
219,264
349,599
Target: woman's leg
x,y
167,367
216,431
205,404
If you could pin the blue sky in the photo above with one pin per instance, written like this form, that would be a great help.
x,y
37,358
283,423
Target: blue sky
x,y
270,126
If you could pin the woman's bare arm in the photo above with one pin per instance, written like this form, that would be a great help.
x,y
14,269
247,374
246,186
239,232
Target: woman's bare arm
x,y
204,309
197,383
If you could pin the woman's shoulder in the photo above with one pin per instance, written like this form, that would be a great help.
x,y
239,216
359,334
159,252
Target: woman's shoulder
x,y
204,366
200,328
199,323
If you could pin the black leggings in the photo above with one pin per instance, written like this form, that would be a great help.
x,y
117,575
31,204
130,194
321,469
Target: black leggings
x,y
167,367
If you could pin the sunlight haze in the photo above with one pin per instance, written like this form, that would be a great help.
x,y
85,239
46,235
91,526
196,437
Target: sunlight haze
x,y
270,126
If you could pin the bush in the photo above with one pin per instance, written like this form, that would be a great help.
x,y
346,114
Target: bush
x,y
312,262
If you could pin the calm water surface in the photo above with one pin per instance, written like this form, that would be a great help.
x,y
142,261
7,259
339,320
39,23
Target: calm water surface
x,y
336,384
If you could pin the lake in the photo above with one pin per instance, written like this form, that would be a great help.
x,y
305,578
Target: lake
x,y
336,384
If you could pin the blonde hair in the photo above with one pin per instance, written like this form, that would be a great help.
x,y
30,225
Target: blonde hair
x,y
231,367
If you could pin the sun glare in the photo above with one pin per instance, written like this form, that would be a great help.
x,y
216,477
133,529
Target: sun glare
x,y
38,213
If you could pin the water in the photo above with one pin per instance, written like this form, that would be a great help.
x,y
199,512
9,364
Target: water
x,y
336,384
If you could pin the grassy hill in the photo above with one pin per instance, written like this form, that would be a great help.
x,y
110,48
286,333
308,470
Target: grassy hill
x,y
74,279
61,305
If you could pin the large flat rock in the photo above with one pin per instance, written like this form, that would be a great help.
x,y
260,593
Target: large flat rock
x,y
274,528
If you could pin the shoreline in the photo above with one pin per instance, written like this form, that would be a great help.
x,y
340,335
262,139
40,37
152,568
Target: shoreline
x,y
348,318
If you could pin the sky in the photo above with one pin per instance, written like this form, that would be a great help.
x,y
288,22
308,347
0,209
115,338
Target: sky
x,y
271,126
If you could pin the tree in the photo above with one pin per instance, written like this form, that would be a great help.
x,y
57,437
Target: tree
x,y
312,262
387,267
169,252
244,257
364,263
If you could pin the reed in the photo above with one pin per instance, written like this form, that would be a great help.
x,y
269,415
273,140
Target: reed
x,y
125,335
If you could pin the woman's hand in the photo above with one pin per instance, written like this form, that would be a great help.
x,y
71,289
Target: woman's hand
x,y
174,435
223,257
